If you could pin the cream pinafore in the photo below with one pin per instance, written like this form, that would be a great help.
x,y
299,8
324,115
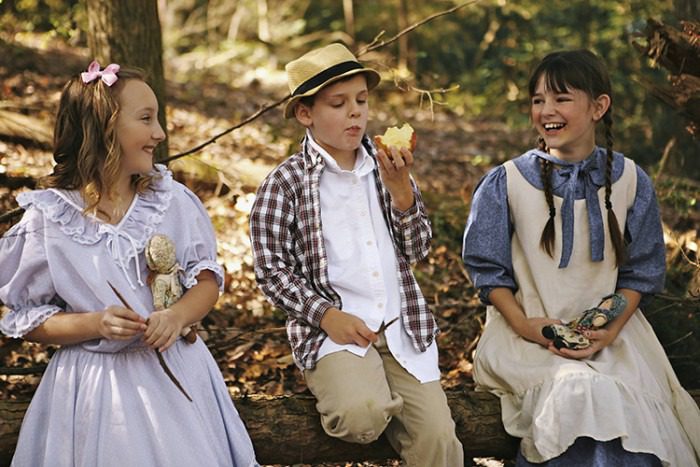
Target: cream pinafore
x,y
628,390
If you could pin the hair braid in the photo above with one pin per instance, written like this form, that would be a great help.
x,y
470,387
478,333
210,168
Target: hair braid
x,y
613,225
547,238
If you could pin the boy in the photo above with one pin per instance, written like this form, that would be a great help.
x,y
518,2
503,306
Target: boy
x,y
334,230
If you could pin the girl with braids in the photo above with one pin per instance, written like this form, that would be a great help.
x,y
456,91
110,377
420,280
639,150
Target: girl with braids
x,y
549,234
73,273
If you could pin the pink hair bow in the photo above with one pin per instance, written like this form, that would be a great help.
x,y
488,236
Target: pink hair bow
x,y
108,75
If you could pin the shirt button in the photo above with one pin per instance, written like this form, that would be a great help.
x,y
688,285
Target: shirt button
x,y
369,242
380,305
375,274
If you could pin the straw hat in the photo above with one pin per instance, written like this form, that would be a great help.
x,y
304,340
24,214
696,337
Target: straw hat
x,y
309,73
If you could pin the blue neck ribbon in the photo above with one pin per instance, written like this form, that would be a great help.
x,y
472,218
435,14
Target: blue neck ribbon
x,y
571,172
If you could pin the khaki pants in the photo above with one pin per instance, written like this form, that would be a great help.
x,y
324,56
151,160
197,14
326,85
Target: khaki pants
x,y
359,397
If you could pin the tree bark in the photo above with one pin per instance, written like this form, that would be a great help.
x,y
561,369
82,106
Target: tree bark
x,y
349,15
127,32
678,51
287,429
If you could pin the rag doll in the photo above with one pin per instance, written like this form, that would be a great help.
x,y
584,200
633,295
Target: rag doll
x,y
164,277
570,335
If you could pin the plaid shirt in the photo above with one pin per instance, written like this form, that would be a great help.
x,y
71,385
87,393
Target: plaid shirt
x,y
291,266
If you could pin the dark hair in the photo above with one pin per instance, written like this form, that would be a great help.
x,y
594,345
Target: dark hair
x,y
309,101
582,70
86,149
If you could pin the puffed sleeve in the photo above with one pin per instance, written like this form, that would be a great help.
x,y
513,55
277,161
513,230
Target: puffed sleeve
x,y
26,286
487,236
645,266
197,247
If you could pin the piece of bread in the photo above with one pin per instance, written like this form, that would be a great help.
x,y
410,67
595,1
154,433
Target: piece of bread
x,y
403,137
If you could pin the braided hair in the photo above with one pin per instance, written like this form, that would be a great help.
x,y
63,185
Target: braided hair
x,y
582,70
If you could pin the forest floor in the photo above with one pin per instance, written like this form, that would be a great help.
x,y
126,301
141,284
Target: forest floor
x,y
245,334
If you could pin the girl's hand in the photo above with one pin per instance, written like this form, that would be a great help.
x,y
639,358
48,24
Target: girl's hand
x,y
395,172
531,329
600,339
164,327
120,323
344,328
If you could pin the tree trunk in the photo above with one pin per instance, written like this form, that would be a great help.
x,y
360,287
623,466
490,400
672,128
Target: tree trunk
x,y
678,51
263,22
403,23
287,430
127,32
349,15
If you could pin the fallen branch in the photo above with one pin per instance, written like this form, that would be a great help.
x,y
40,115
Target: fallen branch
x,y
376,43
287,430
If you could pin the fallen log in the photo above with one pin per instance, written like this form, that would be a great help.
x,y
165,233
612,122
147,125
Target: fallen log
x,y
286,429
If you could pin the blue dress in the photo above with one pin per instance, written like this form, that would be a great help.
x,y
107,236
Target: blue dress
x,y
108,402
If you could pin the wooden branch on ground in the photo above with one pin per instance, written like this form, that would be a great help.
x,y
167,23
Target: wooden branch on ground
x,y
287,430
15,125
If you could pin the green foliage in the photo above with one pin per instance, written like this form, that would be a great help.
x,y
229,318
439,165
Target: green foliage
x,y
489,48
63,18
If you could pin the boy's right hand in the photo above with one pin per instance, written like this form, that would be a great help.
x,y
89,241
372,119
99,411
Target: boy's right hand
x,y
120,323
344,328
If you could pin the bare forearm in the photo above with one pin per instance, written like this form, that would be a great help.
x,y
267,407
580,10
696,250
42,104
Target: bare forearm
x,y
633,298
196,303
504,301
527,328
67,328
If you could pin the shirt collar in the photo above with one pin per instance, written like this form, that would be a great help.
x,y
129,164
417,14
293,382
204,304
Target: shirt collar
x,y
364,164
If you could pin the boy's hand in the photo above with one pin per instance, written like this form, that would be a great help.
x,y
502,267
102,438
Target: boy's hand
x,y
344,328
164,327
117,322
395,170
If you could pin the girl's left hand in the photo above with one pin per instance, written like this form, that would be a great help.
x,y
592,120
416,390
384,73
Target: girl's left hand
x,y
164,327
395,172
600,339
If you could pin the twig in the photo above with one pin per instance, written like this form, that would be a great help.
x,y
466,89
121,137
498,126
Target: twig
x,y
225,132
233,341
680,339
7,216
31,370
376,44
664,157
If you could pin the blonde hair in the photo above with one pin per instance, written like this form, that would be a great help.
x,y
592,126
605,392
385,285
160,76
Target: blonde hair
x,y
86,149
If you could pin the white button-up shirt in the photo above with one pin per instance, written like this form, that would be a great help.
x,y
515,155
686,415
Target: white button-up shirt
x,y
362,266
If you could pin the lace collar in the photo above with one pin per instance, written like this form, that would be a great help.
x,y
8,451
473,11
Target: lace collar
x,y
65,209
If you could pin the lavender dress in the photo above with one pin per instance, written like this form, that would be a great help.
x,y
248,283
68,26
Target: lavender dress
x,y
107,402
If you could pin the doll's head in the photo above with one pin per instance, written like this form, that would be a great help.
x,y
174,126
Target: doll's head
x,y
160,254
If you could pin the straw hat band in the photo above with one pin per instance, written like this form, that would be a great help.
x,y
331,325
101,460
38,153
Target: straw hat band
x,y
325,75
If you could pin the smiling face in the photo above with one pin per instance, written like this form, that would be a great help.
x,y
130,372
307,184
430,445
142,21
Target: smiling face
x,y
566,119
137,128
338,117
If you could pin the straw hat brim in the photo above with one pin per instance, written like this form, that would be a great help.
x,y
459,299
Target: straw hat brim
x,y
373,79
